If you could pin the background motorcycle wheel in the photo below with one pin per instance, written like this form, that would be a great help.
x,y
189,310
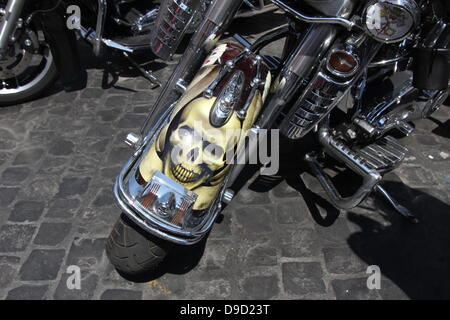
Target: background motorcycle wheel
x,y
24,75
134,252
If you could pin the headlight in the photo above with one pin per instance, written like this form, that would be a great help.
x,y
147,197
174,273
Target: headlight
x,y
391,21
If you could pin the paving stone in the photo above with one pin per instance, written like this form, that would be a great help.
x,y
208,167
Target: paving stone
x,y
141,97
27,211
110,173
303,278
15,237
417,176
343,261
301,242
15,175
94,145
28,292
29,156
42,265
97,222
219,255
283,190
291,212
254,219
66,97
130,121
248,197
262,256
7,195
101,130
63,208
60,110
9,260
222,228
3,157
121,294
88,285
73,187
260,287
41,189
116,101
53,165
104,198
42,136
354,289
217,289
85,165
51,234
335,234
168,285
118,155
92,93
61,147
7,141
7,275
426,140
86,253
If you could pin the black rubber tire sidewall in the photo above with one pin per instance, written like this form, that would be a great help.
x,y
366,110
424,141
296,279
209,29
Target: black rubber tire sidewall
x,y
33,92
133,251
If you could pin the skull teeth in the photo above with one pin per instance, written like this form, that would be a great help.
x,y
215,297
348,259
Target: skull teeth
x,y
184,175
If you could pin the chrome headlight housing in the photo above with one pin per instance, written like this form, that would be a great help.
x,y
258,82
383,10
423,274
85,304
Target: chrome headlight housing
x,y
390,21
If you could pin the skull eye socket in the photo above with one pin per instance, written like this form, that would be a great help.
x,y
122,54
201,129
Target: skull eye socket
x,y
187,133
212,150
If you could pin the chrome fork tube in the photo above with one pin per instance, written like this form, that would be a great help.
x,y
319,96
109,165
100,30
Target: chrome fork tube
x,y
308,53
215,22
313,47
12,14
101,16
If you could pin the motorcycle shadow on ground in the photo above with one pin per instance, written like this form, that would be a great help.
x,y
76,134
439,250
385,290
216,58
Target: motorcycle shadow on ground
x,y
414,257
114,66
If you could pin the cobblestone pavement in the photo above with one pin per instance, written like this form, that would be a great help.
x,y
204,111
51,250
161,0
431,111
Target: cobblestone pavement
x,y
59,156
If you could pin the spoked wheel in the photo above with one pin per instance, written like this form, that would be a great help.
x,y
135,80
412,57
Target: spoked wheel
x,y
27,68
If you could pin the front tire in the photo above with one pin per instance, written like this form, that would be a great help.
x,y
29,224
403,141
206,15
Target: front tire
x,y
134,252
27,67
41,83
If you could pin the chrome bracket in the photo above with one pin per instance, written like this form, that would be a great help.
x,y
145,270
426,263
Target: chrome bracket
x,y
354,161
256,84
147,74
229,66
404,212
133,140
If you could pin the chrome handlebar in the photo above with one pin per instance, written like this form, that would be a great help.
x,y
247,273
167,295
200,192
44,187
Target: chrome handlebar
x,y
348,24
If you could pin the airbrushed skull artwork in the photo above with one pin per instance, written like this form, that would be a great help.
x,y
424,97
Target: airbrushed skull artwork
x,y
194,148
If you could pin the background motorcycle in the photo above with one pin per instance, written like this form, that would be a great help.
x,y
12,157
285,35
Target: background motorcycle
x,y
389,58
38,40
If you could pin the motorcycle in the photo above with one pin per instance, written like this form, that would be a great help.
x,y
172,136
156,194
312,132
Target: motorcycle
x,y
184,163
37,39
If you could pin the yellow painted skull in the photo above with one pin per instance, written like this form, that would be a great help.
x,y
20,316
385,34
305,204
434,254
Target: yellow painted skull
x,y
194,151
